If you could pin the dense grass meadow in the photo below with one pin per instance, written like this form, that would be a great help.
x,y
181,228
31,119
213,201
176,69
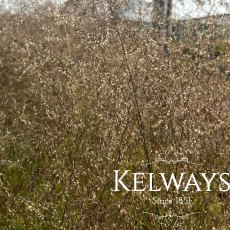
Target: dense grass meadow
x,y
83,96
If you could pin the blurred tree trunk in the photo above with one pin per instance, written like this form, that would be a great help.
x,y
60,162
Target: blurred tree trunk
x,y
159,12
162,12
168,21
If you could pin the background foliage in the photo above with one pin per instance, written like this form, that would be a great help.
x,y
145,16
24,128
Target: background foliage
x,y
83,96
